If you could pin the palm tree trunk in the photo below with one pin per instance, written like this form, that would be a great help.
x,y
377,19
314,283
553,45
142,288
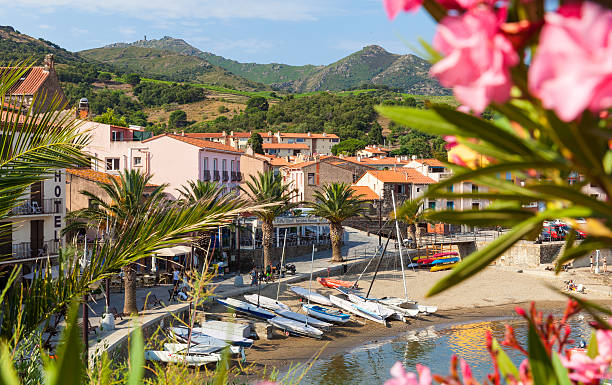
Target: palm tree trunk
x,y
335,234
129,280
267,229
412,233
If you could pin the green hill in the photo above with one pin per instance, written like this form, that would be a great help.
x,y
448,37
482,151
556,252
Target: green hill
x,y
17,47
167,65
371,65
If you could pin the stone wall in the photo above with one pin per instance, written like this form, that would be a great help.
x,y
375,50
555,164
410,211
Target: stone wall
x,y
527,254
250,258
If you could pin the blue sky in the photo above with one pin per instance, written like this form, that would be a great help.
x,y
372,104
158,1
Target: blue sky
x,y
262,31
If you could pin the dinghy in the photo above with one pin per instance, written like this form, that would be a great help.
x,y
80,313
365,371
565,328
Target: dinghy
x,y
295,327
223,336
313,296
246,308
265,302
326,314
182,333
229,328
396,313
177,358
352,308
372,307
445,266
443,261
314,322
334,283
408,305
199,349
427,261
346,291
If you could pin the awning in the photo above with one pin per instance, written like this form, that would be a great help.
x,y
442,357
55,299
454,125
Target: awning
x,y
172,251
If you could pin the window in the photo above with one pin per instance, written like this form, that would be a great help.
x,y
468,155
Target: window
x,y
112,164
311,179
450,205
215,164
400,189
232,169
116,136
476,206
508,175
335,140
432,205
299,140
290,141
137,161
224,165
450,188
474,188
206,164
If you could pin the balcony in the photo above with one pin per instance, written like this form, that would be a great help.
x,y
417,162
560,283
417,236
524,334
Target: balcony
x,y
236,176
24,250
225,176
206,175
47,206
216,175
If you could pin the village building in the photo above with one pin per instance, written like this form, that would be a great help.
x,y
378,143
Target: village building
x,y
371,151
285,149
404,182
379,162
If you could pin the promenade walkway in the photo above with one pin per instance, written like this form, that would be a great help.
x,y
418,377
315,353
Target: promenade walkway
x,y
358,247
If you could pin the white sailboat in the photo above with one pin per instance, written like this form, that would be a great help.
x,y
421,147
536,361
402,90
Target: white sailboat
x,y
371,306
312,296
266,302
179,358
295,327
317,323
352,308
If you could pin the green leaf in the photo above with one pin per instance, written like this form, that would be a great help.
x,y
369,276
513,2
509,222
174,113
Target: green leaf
x,y
516,114
424,120
137,360
482,258
506,366
8,376
560,370
68,370
593,349
481,217
539,361
484,130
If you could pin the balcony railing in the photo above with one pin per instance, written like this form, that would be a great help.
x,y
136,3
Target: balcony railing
x,y
206,175
225,176
236,176
46,206
24,250
216,175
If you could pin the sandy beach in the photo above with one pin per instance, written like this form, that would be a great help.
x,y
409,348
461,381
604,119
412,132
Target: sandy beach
x,y
493,293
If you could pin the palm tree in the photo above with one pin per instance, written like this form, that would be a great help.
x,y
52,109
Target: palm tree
x,y
124,201
411,213
336,202
268,188
198,190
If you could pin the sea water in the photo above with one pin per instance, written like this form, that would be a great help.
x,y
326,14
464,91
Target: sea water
x,y
433,346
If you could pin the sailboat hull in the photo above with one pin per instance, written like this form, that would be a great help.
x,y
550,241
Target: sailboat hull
x,y
326,314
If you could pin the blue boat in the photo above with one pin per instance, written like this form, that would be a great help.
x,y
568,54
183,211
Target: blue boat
x,y
246,308
444,261
326,313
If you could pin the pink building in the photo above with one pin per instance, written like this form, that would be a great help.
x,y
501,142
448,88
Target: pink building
x,y
177,159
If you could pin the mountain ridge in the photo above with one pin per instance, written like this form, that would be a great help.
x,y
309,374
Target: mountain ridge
x,y
371,65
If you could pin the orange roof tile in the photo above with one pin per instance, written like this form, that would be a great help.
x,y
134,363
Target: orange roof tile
x,y
377,150
431,162
404,175
307,135
89,174
278,161
291,146
207,144
388,160
365,193
33,79
200,135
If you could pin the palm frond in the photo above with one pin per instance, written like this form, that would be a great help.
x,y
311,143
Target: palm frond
x,y
336,202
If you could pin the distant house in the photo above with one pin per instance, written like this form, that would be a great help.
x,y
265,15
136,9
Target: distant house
x,y
177,159
379,162
371,151
40,82
404,182
285,149
432,168
308,176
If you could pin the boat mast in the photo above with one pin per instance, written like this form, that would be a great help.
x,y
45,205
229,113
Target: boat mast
x,y
378,266
281,265
399,244
310,281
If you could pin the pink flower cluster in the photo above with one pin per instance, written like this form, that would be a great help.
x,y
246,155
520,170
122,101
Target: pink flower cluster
x,y
571,71
590,370
401,377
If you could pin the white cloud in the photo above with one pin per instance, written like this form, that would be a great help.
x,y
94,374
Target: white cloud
x,y
289,10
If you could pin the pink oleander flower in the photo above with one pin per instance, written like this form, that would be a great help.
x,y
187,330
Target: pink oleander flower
x,y
401,377
572,69
451,141
393,7
584,368
463,4
466,373
477,58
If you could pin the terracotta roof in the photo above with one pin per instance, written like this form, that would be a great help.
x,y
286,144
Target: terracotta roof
x,y
199,135
377,150
207,144
301,164
367,194
407,175
33,79
89,174
307,135
388,160
248,135
278,161
292,146
431,162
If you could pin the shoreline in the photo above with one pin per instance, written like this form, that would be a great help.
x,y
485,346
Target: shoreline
x,y
283,353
